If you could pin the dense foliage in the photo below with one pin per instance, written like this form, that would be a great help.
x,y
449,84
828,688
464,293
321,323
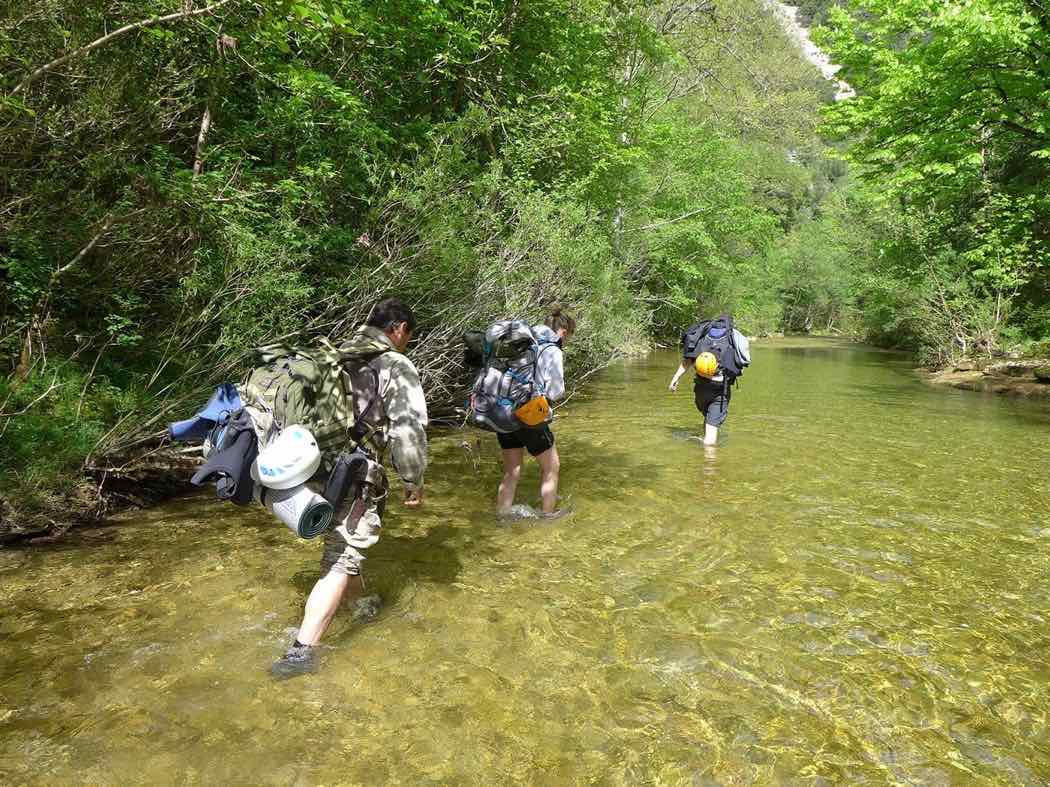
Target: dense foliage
x,y
952,129
182,181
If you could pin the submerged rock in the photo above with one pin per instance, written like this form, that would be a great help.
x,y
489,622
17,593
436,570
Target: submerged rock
x,y
366,609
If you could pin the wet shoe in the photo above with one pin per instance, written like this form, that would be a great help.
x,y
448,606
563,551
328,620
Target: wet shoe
x,y
557,514
517,512
299,660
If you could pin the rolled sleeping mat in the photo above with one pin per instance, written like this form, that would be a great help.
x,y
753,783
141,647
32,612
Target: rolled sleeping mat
x,y
302,510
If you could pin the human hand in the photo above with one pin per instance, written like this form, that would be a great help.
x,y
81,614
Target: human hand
x,y
414,497
674,385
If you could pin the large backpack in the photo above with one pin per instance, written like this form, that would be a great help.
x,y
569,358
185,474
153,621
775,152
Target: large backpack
x,y
717,337
507,396
332,393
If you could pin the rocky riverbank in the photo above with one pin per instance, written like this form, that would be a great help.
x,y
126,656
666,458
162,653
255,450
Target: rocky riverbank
x,y
1011,378
788,17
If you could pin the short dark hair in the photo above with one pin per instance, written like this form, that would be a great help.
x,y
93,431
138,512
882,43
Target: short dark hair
x,y
388,313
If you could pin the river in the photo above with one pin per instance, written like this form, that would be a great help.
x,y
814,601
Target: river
x,y
853,587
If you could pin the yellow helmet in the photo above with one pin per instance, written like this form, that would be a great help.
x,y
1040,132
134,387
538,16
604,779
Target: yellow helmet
x,y
706,365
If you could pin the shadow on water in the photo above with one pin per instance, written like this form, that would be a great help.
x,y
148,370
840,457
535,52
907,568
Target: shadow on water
x,y
104,533
458,525
430,558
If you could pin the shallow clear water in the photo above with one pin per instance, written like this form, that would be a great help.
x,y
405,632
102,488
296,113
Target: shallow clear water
x,y
853,588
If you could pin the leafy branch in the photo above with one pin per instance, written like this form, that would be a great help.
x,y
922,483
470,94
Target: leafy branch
x,y
118,33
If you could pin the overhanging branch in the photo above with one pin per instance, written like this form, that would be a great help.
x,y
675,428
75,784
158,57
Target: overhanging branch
x,y
156,20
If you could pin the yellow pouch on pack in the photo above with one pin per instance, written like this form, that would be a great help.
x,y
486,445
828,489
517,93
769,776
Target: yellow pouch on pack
x,y
534,412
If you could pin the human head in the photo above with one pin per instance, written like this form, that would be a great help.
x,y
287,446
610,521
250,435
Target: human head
x,y
561,323
395,319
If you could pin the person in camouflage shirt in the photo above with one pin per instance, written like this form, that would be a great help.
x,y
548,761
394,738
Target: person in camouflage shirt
x,y
402,432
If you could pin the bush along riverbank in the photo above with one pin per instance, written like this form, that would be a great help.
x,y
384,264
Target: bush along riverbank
x,y
950,173
182,188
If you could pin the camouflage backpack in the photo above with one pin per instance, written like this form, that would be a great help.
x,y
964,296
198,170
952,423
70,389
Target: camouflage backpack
x,y
333,393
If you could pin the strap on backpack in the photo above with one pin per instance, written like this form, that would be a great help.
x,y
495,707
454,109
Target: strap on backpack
x,y
732,330
362,431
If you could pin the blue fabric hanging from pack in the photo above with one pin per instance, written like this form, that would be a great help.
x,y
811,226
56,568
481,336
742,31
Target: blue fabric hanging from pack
x,y
223,402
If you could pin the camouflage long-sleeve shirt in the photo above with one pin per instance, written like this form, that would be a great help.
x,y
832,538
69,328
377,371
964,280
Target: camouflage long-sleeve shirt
x,y
405,406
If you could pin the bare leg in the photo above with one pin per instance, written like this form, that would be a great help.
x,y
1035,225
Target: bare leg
x,y
710,434
550,465
512,459
323,602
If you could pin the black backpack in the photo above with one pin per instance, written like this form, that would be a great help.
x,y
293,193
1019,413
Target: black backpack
x,y
715,337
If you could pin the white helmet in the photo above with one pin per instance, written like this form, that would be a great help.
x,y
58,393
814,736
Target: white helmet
x,y
289,460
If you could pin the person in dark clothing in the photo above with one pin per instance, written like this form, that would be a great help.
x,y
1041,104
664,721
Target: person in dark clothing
x,y
718,353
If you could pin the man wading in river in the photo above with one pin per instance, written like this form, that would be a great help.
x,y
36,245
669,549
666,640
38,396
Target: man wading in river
x,y
718,353
401,427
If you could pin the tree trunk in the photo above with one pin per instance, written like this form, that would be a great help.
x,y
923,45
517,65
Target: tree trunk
x,y
202,138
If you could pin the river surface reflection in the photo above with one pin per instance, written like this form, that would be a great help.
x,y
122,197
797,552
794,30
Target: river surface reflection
x,y
853,588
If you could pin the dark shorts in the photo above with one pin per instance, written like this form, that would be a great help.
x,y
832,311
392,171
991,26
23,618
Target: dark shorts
x,y
536,441
712,400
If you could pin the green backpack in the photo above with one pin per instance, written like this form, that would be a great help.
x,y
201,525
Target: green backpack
x,y
332,393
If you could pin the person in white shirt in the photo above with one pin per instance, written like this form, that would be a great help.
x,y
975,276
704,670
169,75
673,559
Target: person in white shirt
x,y
539,441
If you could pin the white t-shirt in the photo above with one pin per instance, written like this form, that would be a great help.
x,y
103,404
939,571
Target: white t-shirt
x,y
550,371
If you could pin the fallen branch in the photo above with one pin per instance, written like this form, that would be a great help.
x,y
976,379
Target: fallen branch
x,y
83,252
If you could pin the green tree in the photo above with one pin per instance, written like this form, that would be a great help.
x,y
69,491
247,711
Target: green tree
x,y
953,117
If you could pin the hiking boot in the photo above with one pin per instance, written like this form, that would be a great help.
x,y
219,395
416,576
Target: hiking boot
x,y
299,660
